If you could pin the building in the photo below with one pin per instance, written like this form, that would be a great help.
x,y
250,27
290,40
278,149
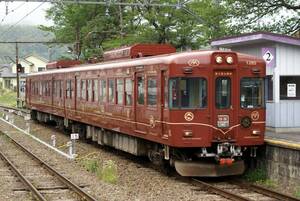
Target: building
x,y
31,64
282,56
5,76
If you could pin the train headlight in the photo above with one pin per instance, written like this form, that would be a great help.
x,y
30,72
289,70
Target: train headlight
x,y
219,59
229,60
256,132
187,134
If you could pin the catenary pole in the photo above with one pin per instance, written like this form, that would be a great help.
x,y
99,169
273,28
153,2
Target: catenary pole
x,y
17,59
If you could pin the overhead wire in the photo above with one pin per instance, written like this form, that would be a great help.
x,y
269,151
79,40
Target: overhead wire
x,y
9,28
13,10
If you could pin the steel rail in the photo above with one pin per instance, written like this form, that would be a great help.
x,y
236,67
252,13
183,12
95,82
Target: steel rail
x,y
265,191
222,192
14,108
25,181
67,182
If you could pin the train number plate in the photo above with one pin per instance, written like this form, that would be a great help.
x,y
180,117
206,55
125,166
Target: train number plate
x,y
223,121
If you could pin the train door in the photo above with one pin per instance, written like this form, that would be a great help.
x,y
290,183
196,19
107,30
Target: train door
x,y
75,92
140,104
69,94
224,103
28,92
164,102
52,93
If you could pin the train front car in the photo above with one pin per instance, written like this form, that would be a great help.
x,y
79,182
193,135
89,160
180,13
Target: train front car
x,y
216,112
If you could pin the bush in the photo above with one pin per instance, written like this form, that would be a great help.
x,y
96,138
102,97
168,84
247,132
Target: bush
x,y
109,172
106,172
256,175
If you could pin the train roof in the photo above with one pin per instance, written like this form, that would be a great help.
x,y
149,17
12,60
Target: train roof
x,y
138,50
177,58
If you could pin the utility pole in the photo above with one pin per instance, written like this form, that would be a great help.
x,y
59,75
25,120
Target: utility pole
x,y
18,75
20,69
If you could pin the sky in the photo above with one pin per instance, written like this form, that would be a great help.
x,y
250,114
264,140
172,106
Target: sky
x,y
18,10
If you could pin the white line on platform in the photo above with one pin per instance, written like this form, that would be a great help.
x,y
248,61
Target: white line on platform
x,y
40,141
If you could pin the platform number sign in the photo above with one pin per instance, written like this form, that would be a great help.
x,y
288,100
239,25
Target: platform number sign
x,y
269,55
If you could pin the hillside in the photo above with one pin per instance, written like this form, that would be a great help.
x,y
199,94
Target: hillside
x,y
28,33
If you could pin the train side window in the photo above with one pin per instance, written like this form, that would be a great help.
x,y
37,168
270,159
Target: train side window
x,y
102,93
111,90
173,93
78,88
54,88
128,91
68,89
36,88
32,87
71,89
47,88
83,89
89,90
165,92
141,90
44,88
60,88
120,91
95,90
223,92
152,91
40,88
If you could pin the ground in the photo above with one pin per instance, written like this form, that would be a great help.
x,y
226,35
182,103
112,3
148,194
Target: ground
x,y
8,98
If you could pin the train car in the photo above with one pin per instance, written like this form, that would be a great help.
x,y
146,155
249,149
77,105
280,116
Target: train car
x,y
202,112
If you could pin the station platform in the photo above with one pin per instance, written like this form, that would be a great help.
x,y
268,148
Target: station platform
x,y
287,140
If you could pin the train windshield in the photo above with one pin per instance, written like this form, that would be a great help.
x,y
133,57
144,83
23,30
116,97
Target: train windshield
x,y
252,92
187,93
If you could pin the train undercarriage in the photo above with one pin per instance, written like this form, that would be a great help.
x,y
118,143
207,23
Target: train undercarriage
x,y
222,159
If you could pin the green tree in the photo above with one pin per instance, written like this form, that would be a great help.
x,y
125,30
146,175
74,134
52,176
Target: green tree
x,y
70,22
189,26
281,16
96,27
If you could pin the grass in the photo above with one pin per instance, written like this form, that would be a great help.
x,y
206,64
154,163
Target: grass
x,y
106,171
256,175
297,192
8,98
109,172
259,176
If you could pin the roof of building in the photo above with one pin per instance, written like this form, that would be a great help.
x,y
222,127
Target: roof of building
x,y
256,37
36,56
21,60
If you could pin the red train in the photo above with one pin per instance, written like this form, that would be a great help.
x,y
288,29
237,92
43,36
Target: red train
x,y
200,111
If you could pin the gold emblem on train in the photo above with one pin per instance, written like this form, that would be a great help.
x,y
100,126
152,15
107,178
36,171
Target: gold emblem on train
x,y
193,62
152,121
255,115
189,116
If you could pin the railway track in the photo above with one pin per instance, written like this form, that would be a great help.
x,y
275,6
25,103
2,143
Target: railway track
x,y
41,179
240,191
235,190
